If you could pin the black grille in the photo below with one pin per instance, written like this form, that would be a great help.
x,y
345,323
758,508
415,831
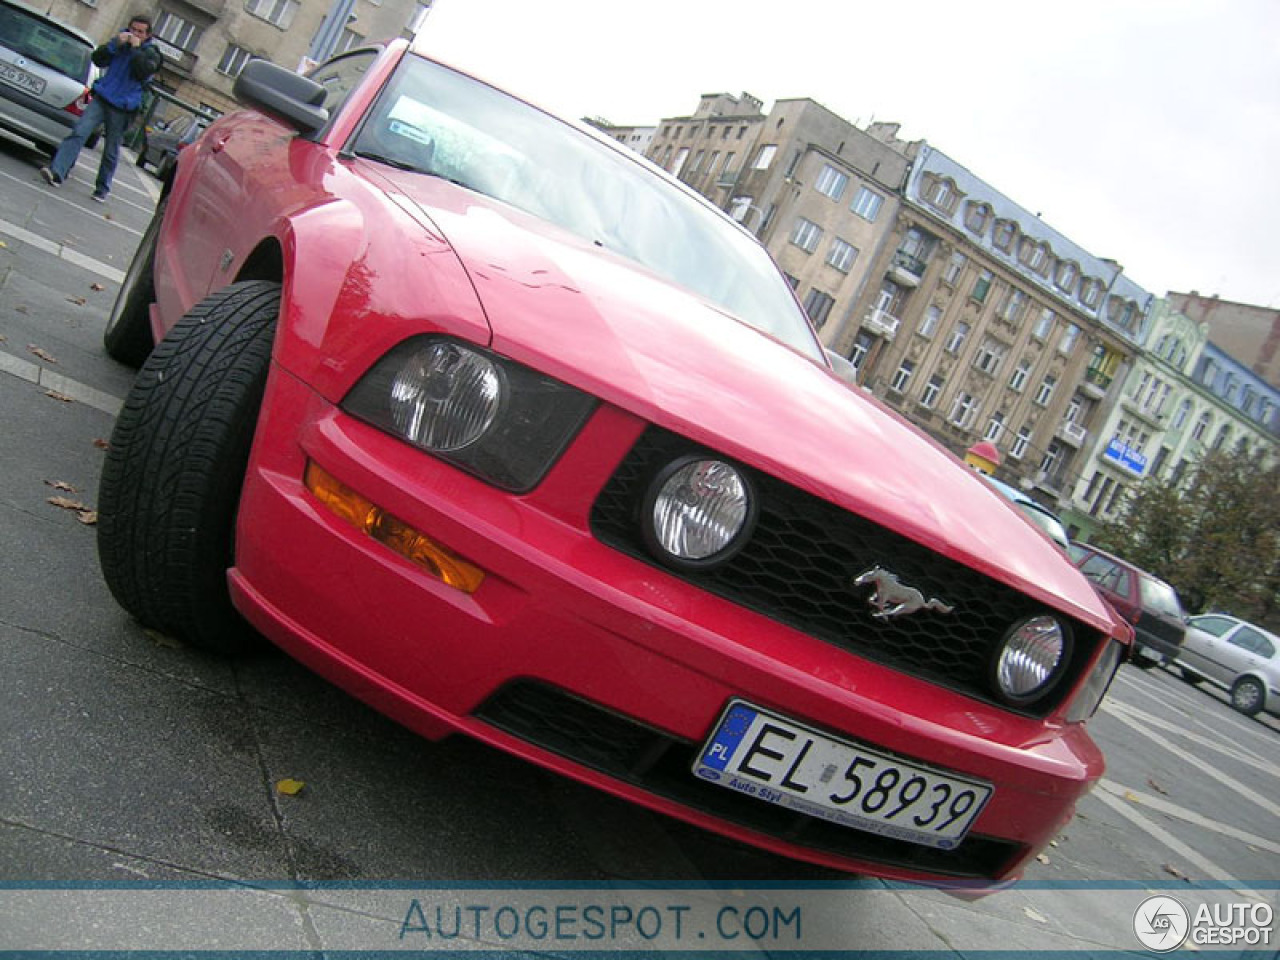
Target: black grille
x,y
799,565
654,761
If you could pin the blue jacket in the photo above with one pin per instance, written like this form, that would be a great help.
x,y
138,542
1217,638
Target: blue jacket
x,y
128,71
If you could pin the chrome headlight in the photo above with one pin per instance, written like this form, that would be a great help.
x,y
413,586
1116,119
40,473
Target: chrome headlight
x,y
1031,660
480,411
699,511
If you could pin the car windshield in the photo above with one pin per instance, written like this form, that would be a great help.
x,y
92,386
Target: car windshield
x,y
438,122
44,43
1158,595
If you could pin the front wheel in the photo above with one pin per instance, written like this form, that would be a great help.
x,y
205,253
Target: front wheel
x,y
127,337
171,481
1248,696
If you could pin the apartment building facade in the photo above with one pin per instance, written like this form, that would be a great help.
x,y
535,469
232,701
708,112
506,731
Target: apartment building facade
x,y
1247,332
206,42
982,322
815,189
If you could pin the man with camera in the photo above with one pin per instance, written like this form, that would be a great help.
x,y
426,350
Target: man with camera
x,y
130,59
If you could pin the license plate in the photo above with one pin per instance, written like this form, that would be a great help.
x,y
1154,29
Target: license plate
x,y
20,78
756,752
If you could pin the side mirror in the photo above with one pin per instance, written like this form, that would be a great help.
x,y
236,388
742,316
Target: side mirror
x,y
287,96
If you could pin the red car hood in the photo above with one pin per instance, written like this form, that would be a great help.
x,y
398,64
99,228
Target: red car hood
x,y
607,326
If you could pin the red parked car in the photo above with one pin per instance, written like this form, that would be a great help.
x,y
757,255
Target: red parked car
x,y
510,434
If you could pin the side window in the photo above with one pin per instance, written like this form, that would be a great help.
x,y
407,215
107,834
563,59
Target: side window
x,y
1118,580
1251,640
1097,568
340,76
1211,624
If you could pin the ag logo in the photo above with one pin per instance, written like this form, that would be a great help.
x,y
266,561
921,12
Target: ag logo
x,y
1161,923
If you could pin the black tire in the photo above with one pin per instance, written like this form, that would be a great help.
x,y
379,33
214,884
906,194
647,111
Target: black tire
x,y
171,481
1248,696
1190,676
127,336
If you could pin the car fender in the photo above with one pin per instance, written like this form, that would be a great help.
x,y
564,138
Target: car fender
x,y
359,281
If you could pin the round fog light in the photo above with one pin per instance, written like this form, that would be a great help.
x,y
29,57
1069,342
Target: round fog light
x,y
698,512
1031,659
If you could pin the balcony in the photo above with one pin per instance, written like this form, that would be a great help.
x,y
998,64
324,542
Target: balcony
x,y
906,269
1072,433
1151,418
881,322
1095,383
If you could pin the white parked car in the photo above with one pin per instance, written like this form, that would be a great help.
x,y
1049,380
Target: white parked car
x,y
1235,655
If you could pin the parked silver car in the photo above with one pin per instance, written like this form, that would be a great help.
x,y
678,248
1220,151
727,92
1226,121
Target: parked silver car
x,y
1235,655
45,73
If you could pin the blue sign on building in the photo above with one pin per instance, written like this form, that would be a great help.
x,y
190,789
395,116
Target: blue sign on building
x,y
1130,459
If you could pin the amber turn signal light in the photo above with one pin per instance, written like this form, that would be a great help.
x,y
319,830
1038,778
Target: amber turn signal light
x,y
413,545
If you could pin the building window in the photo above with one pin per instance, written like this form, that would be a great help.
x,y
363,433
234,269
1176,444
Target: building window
x,y
1091,293
1018,381
954,268
1044,325
1020,443
989,357
277,12
931,390
929,322
842,255
958,334
1184,410
903,377
1051,456
1004,234
1066,278
995,427
172,29
233,60
806,234
859,352
831,182
1070,337
982,286
681,159
1224,432
728,165
1032,254
348,41
1014,304
867,204
977,216
765,156
1202,425
963,409
1045,393
941,193
818,305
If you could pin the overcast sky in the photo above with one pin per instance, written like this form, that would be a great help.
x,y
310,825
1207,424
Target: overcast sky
x,y
1147,131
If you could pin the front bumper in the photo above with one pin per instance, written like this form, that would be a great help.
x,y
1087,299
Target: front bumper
x,y
593,664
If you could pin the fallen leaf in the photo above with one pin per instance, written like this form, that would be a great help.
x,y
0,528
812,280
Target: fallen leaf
x,y
1131,796
101,444
60,485
1174,872
1038,918
1043,858
290,788
1156,787
42,353
1053,843
87,517
66,503
20,308
96,287
3,244
161,639
78,301
59,396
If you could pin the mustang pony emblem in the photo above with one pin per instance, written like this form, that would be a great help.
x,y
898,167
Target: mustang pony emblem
x,y
893,598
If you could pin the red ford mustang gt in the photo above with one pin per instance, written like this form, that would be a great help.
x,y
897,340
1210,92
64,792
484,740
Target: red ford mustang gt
x,y
509,434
